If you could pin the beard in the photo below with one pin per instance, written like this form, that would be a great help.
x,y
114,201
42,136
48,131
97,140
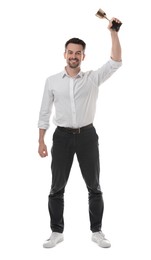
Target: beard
x,y
73,63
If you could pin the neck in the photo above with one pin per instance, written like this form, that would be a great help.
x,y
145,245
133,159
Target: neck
x,y
72,71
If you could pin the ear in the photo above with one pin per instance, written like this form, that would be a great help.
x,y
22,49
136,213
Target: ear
x,y
65,55
83,57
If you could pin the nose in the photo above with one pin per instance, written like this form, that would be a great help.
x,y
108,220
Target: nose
x,y
73,55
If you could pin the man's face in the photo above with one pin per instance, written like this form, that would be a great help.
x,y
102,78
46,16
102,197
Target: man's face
x,y
74,55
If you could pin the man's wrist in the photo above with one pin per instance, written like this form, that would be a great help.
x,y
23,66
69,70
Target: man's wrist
x,y
41,141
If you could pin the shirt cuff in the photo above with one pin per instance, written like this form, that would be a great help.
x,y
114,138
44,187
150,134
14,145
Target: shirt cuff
x,y
115,64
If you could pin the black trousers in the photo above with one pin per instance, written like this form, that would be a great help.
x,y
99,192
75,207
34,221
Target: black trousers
x,y
85,145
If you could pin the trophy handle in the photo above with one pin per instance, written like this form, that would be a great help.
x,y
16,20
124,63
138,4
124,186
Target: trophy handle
x,y
116,26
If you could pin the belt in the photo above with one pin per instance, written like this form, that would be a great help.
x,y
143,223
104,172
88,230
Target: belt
x,y
74,130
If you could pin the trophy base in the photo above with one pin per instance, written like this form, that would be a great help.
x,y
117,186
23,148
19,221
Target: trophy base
x,y
116,26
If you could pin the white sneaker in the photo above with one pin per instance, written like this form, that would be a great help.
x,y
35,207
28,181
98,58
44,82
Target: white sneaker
x,y
54,239
100,239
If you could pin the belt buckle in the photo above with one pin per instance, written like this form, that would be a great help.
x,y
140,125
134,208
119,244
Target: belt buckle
x,y
76,131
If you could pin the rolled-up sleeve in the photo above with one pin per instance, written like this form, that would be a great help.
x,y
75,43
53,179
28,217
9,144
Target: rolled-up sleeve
x,y
46,107
105,72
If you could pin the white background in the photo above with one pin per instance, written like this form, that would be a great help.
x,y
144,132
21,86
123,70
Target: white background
x,y
33,33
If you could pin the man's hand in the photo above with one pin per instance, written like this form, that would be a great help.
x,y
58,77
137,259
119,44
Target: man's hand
x,y
111,23
42,150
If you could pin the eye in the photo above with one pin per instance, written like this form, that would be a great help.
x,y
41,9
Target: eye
x,y
78,53
70,52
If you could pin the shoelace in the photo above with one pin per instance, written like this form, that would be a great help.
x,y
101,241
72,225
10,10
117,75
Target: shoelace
x,y
101,235
53,236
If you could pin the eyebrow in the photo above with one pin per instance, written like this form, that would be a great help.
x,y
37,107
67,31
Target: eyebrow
x,y
72,51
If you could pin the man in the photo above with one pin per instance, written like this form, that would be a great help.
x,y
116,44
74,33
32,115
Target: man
x,y
74,96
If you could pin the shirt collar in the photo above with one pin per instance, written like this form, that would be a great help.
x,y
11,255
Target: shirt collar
x,y
65,74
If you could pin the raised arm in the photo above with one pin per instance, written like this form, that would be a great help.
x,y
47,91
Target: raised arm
x,y
116,47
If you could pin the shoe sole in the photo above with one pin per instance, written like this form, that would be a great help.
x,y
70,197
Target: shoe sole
x,y
103,246
51,246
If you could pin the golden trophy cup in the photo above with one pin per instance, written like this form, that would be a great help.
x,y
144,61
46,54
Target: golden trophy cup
x,y
115,26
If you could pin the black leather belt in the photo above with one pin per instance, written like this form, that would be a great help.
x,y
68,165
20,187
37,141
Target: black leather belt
x,y
74,130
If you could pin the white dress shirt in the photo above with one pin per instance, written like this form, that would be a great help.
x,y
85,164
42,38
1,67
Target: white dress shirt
x,y
74,98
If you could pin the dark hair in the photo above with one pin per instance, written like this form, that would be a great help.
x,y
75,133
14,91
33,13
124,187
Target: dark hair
x,y
76,41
